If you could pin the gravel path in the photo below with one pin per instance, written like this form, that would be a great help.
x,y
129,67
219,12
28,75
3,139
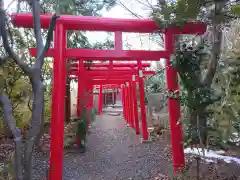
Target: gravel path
x,y
114,152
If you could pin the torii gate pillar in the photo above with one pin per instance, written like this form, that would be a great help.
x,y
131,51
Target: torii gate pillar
x,y
100,100
58,97
174,108
135,105
142,103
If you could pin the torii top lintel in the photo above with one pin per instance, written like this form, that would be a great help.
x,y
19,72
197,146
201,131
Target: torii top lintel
x,y
92,23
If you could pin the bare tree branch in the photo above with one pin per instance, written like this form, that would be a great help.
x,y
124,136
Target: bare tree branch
x,y
125,7
3,33
9,120
144,4
40,58
37,112
10,4
41,50
37,25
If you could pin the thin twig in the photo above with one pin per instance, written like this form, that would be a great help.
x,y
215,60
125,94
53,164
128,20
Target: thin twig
x,y
126,8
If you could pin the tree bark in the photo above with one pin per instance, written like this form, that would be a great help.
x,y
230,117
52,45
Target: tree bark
x,y
7,131
41,133
35,125
198,127
9,120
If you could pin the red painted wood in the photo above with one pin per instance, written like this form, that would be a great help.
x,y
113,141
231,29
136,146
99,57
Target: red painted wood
x,y
174,111
103,55
114,73
93,23
115,65
58,96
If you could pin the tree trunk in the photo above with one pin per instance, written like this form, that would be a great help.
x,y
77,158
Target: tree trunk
x,y
9,120
41,133
7,131
198,127
68,101
35,124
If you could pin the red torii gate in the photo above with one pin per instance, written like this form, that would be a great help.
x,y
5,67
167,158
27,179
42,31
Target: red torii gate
x,y
135,108
98,80
90,74
117,74
121,66
130,108
111,65
61,53
114,73
130,111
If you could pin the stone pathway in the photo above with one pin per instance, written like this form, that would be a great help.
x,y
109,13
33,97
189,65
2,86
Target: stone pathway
x,y
114,152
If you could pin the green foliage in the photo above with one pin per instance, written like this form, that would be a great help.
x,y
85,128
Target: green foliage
x,y
94,114
78,125
195,95
47,105
177,13
78,7
82,126
17,87
70,133
156,83
187,63
236,10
